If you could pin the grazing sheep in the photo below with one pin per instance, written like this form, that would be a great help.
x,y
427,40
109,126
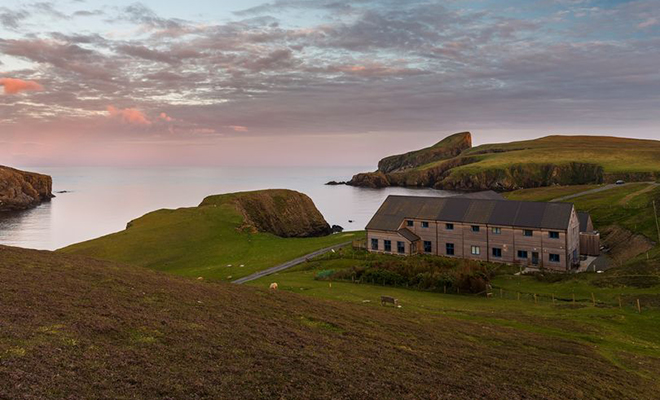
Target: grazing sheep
x,y
273,286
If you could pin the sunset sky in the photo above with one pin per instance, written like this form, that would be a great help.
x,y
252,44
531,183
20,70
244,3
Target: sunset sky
x,y
311,82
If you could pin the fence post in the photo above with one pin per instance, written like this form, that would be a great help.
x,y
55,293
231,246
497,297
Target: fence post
x,y
501,295
535,302
593,298
518,296
619,301
573,298
639,307
553,298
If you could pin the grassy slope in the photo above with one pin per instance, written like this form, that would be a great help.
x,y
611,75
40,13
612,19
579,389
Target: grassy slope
x,y
546,193
201,241
614,154
78,328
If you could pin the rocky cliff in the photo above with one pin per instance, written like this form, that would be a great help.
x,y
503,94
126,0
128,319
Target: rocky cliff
x,y
282,212
453,164
20,190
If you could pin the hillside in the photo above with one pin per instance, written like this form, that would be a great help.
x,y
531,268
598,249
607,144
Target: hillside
x,y
226,237
552,160
78,328
20,190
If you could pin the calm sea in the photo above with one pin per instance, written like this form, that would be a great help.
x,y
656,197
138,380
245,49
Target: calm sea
x,y
102,200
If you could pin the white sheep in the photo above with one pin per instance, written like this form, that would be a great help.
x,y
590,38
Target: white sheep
x,y
273,286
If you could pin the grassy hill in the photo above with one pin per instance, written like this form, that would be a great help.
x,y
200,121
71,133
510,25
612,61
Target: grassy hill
x,y
225,237
80,328
552,160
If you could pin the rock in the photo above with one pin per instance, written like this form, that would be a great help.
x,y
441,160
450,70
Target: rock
x,y
20,190
282,212
337,229
373,180
334,183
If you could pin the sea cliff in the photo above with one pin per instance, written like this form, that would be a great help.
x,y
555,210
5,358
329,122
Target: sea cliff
x,y
20,190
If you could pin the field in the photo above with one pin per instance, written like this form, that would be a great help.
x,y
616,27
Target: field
x,y
78,328
203,242
615,155
547,193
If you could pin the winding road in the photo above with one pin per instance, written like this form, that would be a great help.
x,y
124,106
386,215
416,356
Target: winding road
x,y
600,189
289,264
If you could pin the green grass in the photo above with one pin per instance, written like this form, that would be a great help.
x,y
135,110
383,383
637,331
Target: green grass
x,y
547,193
609,328
201,242
613,154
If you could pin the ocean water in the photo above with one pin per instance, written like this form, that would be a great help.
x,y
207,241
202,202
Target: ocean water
x,y
100,201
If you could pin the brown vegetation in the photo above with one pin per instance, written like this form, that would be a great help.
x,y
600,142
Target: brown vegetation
x,y
77,328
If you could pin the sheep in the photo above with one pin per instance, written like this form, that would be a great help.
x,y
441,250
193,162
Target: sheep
x,y
273,286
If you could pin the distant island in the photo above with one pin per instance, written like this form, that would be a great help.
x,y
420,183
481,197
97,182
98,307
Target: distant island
x,y
20,190
453,164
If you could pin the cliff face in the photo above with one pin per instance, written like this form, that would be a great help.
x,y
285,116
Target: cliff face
x,y
449,147
554,160
20,190
284,213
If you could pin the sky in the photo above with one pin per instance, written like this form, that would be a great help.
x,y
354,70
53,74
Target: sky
x,y
315,82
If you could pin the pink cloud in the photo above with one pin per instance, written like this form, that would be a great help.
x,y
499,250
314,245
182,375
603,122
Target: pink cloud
x,y
129,115
13,86
238,128
165,117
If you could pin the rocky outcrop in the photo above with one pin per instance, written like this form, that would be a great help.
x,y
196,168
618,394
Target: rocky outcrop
x,y
449,147
20,190
282,212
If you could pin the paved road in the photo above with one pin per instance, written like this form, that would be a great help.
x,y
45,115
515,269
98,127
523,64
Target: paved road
x,y
598,189
289,264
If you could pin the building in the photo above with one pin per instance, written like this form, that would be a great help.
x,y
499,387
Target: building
x,y
589,238
487,229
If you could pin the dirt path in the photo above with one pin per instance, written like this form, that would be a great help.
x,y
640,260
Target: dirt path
x,y
289,264
631,196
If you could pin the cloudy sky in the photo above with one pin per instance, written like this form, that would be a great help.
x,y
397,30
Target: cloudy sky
x,y
315,82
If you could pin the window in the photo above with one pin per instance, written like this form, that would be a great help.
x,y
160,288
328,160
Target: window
x,y
425,224
554,258
410,222
553,235
497,231
475,228
449,227
374,244
497,252
522,254
400,247
388,245
428,247
476,250
527,232
450,249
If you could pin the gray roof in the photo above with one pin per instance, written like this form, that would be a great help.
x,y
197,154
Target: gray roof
x,y
406,233
526,214
583,217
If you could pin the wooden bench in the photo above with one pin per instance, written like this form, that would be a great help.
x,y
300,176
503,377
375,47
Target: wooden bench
x,y
388,300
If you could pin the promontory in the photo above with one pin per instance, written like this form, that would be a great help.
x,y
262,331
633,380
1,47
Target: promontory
x,y
20,190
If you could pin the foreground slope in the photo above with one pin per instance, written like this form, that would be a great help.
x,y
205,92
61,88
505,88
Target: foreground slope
x,y
79,328
20,189
552,160
226,237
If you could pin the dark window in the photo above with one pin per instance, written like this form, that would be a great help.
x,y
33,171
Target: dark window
x,y
476,250
450,249
497,231
554,257
554,235
410,222
388,245
528,232
400,247
522,254
475,228
374,244
428,247
425,224
497,252
449,227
